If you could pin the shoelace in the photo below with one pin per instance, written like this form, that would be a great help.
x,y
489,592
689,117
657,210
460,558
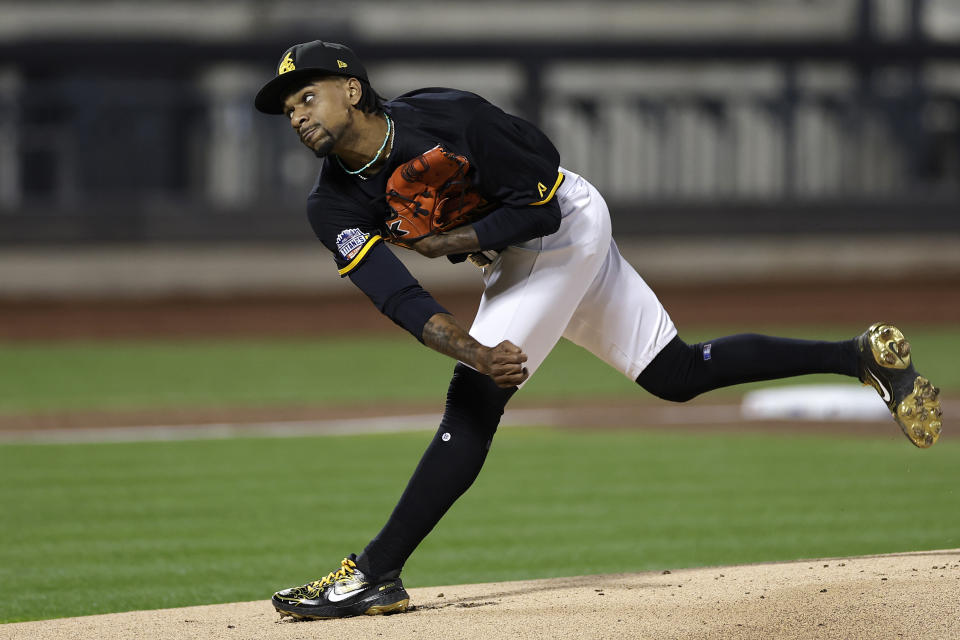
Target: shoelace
x,y
347,568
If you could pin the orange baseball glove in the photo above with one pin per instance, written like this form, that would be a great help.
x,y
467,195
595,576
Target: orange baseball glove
x,y
430,194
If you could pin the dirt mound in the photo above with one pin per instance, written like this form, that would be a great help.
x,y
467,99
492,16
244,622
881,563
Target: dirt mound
x,y
908,595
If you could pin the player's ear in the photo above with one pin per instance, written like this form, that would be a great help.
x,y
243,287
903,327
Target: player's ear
x,y
354,91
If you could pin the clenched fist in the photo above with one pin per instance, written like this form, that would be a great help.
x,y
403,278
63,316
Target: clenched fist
x,y
504,363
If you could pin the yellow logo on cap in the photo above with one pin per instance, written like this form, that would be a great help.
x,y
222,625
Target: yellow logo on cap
x,y
341,64
287,64
542,188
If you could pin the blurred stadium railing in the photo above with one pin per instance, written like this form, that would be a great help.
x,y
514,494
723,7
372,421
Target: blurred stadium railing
x,y
124,123
133,124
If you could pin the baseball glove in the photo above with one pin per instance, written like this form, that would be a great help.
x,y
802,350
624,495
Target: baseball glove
x,y
430,194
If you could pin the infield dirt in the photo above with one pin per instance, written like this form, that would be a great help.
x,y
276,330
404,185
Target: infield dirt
x,y
744,305
908,595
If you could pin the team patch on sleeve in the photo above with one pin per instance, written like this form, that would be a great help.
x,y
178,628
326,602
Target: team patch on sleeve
x,y
350,241
353,245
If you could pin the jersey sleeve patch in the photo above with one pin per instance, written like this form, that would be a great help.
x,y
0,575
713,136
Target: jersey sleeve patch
x,y
353,245
350,241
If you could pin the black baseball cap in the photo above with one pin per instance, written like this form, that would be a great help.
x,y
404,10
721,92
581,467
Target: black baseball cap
x,y
300,62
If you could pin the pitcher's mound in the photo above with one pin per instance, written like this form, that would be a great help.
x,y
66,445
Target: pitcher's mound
x,y
906,595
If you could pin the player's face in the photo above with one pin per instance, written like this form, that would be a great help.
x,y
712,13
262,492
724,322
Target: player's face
x,y
320,113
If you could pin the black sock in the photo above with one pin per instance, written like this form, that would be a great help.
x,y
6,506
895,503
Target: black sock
x,y
681,371
447,469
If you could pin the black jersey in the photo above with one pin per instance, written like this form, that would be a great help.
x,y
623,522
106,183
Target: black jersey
x,y
513,165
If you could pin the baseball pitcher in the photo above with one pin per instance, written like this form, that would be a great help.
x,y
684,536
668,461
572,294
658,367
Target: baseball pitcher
x,y
445,173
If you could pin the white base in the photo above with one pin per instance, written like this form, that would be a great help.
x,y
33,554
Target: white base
x,y
815,402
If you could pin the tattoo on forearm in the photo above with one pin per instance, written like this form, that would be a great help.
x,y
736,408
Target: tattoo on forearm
x,y
443,334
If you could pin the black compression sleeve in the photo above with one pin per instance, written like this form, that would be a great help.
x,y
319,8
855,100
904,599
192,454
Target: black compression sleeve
x,y
513,225
394,291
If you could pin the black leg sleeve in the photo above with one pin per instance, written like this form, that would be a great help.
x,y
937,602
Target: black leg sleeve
x,y
681,371
449,466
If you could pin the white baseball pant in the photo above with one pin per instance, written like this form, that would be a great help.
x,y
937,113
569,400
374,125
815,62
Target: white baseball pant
x,y
573,284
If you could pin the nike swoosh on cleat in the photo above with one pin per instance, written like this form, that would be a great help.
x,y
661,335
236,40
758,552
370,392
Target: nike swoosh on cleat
x,y
338,596
884,393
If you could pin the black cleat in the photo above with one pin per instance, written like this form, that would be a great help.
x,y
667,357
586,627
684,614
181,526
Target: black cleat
x,y
342,594
885,364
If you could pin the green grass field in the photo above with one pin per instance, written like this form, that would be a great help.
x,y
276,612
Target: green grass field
x,y
110,527
61,376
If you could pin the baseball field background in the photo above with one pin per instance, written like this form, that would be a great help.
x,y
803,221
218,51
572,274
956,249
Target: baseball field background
x,y
282,451
197,411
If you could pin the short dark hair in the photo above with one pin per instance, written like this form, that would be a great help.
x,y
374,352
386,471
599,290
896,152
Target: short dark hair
x,y
370,100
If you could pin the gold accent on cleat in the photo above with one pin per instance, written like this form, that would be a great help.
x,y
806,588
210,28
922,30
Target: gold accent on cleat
x,y
886,365
890,349
920,415
396,607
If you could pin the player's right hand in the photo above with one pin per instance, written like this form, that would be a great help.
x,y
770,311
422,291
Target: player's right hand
x,y
505,364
